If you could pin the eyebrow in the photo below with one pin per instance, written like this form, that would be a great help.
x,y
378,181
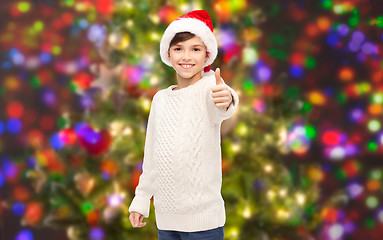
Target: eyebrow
x,y
195,45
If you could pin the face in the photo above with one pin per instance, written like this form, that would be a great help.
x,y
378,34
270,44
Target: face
x,y
188,59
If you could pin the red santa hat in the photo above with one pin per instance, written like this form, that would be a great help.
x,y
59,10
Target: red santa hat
x,y
197,22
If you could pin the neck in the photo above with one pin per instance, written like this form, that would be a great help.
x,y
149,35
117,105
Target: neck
x,y
184,82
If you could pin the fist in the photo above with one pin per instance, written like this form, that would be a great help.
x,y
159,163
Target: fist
x,y
136,219
221,94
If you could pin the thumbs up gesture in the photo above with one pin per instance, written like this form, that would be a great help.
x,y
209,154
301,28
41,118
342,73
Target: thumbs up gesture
x,y
221,94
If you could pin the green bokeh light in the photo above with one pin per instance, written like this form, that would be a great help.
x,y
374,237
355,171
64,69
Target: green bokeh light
x,y
305,182
278,54
250,55
327,3
341,174
62,122
376,174
86,207
374,125
341,97
310,63
377,98
372,202
355,12
92,16
306,107
338,9
69,2
23,6
241,129
35,82
145,83
369,223
372,146
72,87
237,4
310,209
379,22
310,132
38,26
364,87
248,86
353,21
56,50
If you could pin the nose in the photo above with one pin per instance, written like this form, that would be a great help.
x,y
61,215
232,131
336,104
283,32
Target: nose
x,y
186,55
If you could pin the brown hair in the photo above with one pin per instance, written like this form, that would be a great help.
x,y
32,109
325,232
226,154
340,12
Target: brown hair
x,y
180,37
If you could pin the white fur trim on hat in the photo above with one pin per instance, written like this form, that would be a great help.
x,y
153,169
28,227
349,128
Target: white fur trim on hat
x,y
194,26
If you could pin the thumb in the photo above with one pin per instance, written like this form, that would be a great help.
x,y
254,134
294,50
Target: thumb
x,y
218,76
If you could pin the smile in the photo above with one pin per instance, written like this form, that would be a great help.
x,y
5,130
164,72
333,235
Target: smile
x,y
186,66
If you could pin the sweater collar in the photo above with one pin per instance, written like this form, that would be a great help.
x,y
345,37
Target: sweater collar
x,y
172,92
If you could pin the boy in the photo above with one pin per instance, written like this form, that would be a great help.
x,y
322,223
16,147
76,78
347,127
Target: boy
x,y
182,155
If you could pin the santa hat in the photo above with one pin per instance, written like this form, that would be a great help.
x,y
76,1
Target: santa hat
x,y
197,22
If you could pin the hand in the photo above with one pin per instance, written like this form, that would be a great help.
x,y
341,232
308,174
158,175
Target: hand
x,y
221,94
136,219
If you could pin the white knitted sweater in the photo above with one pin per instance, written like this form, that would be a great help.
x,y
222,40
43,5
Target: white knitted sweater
x,y
182,159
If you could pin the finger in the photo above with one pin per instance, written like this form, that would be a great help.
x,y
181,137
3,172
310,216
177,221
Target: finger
x,y
221,105
218,79
220,93
220,87
140,223
135,218
131,218
221,100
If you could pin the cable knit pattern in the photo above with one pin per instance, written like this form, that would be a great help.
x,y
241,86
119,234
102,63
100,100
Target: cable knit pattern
x,y
165,166
182,162
193,163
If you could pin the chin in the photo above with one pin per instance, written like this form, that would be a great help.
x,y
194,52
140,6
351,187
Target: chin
x,y
187,75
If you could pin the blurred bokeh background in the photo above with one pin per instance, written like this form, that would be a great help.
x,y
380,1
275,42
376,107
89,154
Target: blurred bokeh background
x,y
301,155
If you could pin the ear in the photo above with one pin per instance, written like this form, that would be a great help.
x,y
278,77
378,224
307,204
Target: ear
x,y
207,56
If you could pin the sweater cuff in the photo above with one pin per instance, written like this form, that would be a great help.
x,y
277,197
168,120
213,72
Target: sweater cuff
x,y
141,205
228,112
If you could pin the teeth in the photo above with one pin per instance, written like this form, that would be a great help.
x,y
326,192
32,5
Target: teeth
x,y
186,65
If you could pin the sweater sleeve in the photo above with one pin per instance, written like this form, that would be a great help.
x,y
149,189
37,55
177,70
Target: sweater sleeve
x,y
143,193
219,114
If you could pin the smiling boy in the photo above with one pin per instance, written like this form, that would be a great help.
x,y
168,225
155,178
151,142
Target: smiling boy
x,y
182,156
187,58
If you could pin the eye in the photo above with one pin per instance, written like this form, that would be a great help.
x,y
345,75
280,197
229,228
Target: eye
x,y
196,49
177,49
